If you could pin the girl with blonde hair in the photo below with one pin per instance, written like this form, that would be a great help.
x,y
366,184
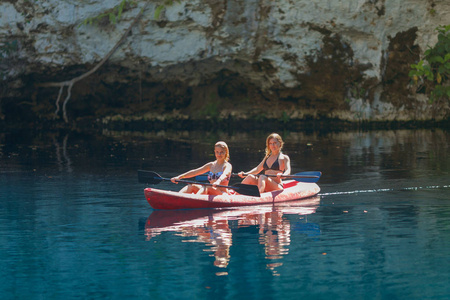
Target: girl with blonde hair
x,y
273,163
219,173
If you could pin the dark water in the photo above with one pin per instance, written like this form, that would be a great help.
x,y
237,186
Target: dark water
x,y
74,222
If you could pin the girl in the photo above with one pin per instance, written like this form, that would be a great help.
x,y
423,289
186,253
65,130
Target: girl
x,y
274,163
219,172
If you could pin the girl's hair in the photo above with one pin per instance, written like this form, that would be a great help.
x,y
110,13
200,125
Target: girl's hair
x,y
273,136
223,145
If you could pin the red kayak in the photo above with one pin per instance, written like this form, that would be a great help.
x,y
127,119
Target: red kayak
x,y
179,220
293,190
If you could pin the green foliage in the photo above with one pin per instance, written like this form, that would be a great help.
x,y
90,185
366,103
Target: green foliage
x,y
162,6
433,72
260,117
7,50
285,118
112,16
211,109
355,91
158,11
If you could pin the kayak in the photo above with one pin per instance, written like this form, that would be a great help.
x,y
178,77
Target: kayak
x,y
161,221
293,190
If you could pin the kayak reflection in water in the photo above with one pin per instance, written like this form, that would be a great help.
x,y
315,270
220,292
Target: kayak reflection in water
x,y
214,229
274,163
219,173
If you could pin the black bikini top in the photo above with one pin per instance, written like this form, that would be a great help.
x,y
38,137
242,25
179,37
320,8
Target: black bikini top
x,y
275,166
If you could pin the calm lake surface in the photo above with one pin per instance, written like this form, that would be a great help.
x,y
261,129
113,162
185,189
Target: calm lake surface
x,y
74,222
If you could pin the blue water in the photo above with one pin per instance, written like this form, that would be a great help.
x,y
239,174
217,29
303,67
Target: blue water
x,y
74,222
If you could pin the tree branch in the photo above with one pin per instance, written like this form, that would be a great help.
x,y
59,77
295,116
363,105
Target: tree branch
x,y
70,83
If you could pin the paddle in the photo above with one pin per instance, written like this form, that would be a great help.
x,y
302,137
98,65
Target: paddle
x,y
150,177
309,176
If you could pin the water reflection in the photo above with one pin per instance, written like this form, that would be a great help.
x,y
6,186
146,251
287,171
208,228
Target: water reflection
x,y
370,159
215,228
67,162
69,208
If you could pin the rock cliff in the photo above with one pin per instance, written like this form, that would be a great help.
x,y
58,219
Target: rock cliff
x,y
287,59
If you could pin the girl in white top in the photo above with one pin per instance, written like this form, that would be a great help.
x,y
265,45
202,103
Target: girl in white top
x,y
219,173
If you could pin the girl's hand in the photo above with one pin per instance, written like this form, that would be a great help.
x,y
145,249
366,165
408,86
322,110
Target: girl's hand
x,y
279,175
175,179
216,183
241,174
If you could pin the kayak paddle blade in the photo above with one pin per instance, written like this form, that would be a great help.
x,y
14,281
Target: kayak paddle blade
x,y
149,177
203,177
310,176
247,189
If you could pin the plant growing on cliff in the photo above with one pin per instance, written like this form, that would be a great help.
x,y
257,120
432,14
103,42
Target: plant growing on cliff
x,y
162,6
111,16
7,50
432,73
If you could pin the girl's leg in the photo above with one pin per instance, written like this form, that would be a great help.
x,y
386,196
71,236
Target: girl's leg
x,y
190,189
202,190
268,184
220,191
185,189
250,179
209,190
262,183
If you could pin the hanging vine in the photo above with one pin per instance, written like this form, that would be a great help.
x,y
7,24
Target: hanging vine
x,y
112,15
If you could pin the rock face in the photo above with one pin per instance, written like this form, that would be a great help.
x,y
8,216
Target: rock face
x,y
293,59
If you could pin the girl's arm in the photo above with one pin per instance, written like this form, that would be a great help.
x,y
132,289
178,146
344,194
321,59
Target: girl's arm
x,y
192,173
255,170
226,174
287,165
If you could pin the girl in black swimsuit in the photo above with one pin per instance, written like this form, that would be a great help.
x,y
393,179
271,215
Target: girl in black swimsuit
x,y
274,163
